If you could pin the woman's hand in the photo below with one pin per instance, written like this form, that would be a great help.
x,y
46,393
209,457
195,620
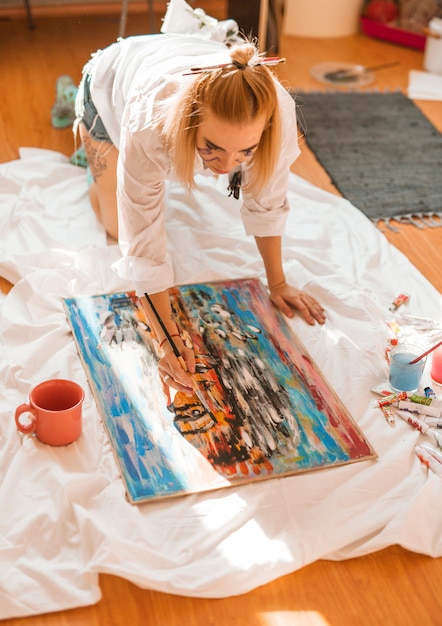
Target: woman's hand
x,y
286,298
171,370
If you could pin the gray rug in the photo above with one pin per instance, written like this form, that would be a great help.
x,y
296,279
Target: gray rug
x,y
380,151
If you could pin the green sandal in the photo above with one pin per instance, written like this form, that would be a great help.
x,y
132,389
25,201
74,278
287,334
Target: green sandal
x,y
63,111
79,158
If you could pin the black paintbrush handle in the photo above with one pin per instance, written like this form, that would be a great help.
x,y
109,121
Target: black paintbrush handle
x,y
163,327
351,72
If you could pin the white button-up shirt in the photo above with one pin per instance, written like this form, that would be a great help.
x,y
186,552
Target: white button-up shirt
x,y
128,81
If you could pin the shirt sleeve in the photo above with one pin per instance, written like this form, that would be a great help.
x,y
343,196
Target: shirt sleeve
x,y
266,214
142,169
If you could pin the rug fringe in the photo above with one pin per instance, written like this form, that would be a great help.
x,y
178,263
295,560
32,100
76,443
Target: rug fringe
x,y
366,141
420,220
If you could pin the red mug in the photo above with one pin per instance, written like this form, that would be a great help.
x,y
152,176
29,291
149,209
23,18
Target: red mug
x,y
55,412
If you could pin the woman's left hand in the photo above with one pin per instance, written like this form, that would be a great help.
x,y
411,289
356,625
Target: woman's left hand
x,y
286,298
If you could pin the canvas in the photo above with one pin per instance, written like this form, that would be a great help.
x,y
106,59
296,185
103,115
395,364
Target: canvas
x,y
263,409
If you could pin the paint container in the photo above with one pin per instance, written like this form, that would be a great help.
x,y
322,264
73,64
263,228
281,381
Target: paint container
x,y
436,366
403,375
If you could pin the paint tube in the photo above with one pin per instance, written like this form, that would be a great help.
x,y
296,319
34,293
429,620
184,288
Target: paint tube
x,y
415,404
383,389
430,406
427,459
429,393
427,400
437,454
402,297
418,424
421,409
388,414
392,398
434,422
421,426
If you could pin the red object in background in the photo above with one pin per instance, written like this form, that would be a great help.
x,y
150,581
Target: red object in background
x,y
436,366
371,28
382,11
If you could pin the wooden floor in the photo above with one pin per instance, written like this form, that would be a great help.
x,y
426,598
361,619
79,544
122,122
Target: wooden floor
x,y
391,587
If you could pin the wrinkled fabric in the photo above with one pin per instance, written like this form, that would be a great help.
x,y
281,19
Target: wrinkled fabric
x,y
64,515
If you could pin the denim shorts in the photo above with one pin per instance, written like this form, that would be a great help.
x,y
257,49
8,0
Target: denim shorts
x,y
90,118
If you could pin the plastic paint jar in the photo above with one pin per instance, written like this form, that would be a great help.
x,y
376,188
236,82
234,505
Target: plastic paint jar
x,y
433,47
436,366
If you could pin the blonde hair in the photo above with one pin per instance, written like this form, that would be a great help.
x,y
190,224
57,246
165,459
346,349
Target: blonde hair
x,y
239,92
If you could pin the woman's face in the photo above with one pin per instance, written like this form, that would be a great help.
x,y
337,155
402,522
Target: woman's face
x,y
222,145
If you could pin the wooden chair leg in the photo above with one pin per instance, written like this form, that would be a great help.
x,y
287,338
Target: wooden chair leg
x,y
123,17
31,24
151,16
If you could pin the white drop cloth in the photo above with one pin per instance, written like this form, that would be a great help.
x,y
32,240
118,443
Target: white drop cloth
x,y
64,517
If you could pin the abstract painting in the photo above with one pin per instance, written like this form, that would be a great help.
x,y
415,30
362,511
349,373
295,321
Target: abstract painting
x,y
262,410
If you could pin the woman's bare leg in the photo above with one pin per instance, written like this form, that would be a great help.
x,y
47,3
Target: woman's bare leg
x,y
102,160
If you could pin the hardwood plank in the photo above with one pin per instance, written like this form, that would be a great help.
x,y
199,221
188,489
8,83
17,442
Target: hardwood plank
x,y
55,8
389,587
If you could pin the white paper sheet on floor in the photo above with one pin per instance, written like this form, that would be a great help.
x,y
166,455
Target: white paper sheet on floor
x,y
64,517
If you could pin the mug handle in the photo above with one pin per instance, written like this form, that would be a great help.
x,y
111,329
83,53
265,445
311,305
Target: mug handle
x,y
30,428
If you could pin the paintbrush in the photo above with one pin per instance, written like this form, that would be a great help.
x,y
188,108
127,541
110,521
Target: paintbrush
x,y
351,73
177,354
166,333
431,33
418,358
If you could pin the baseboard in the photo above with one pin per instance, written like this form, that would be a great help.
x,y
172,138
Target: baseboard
x,y
215,8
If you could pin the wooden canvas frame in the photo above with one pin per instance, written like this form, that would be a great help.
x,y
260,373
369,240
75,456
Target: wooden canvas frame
x,y
263,409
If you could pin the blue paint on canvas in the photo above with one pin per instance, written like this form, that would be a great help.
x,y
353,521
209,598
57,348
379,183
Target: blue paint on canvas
x,y
267,409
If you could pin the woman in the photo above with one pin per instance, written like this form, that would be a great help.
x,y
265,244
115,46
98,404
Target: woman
x,y
159,107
